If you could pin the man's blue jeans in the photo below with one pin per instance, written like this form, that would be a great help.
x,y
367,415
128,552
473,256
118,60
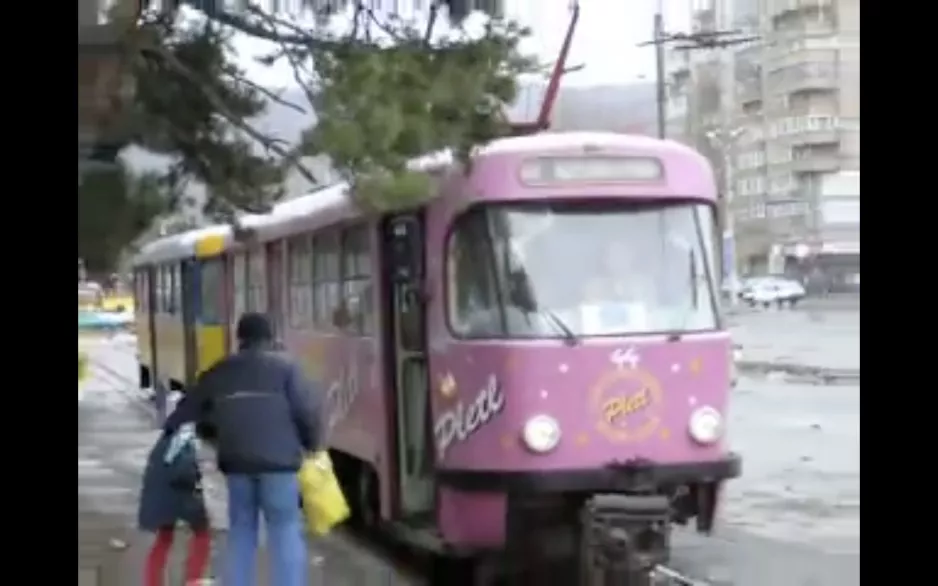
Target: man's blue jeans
x,y
277,497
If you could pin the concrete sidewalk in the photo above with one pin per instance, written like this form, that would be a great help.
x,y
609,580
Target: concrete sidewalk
x,y
115,433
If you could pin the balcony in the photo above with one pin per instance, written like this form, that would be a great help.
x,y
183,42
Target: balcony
x,y
821,137
782,8
816,163
808,83
748,92
803,77
791,18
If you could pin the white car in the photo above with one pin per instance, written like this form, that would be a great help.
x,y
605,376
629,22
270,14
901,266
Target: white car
x,y
765,291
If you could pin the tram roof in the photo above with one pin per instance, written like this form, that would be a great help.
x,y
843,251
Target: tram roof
x,y
184,245
333,200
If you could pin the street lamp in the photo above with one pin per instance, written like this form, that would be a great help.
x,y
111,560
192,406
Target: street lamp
x,y
724,140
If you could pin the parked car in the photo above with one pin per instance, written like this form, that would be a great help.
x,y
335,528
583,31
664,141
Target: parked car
x,y
765,291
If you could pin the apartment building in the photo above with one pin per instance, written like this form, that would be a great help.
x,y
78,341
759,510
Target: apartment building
x,y
797,159
786,108
694,91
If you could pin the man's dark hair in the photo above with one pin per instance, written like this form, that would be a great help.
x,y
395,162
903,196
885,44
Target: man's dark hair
x,y
254,328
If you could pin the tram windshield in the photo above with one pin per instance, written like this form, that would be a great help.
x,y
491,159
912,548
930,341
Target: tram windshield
x,y
570,270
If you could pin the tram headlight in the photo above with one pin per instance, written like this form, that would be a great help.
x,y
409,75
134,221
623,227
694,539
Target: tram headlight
x,y
706,425
541,433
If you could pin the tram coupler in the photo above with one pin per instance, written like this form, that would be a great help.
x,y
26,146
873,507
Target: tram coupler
x,y
627,535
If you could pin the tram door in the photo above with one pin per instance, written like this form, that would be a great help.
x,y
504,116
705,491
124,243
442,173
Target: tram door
x,y
191,291
402,271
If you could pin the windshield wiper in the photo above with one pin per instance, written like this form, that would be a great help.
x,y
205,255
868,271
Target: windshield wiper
x,y
675,336
695,301
569,338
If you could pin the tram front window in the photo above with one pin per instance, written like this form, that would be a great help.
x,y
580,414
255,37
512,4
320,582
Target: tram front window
x,y
581,269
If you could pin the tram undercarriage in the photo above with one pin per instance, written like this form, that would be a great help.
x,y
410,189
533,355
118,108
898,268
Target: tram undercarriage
x,y
596,539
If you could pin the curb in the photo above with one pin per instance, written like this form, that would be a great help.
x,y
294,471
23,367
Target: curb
x,y
821,373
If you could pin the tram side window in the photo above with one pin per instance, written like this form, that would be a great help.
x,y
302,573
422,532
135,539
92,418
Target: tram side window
x,y
326,278
175,289
300,267
239,277
157,284
472,289
212,281
357,290
257,281
162,289
145,290
141,293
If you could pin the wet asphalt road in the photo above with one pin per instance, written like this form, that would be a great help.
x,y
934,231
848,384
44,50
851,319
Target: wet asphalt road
x,y
792,519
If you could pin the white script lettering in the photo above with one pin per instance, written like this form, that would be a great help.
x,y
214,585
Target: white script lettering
x,y
628,356
460,422
342,394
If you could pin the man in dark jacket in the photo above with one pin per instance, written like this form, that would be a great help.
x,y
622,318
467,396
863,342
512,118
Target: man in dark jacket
x,y
265,415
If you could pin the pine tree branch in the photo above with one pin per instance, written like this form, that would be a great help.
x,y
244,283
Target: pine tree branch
x,y
269,143
289,53
272,96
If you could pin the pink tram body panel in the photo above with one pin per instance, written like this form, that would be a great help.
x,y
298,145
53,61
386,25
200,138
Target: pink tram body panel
x,y
543,332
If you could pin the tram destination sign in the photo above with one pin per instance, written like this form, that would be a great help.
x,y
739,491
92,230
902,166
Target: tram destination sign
x,y
590,169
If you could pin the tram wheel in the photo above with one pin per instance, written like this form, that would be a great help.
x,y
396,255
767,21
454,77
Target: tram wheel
x,y
587,569
592,573
144,377
367,496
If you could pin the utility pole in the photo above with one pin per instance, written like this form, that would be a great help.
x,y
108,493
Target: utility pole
x,y
661,88
724,141
700,40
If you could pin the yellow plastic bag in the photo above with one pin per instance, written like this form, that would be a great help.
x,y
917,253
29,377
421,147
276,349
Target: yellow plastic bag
x,y
323,502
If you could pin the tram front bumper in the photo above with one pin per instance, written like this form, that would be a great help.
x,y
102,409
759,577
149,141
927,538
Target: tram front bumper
x,y
628,476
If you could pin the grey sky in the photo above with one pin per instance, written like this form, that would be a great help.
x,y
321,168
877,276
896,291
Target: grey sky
x,y
605,42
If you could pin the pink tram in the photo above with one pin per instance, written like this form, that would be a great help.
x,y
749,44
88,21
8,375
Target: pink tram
x,y
531,368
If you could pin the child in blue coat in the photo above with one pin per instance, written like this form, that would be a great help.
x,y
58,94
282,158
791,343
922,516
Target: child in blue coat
x,y
172,493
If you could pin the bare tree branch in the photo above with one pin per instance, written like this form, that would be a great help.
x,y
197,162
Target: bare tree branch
x,y
286,51
388,30
299,36
356,20
431,22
